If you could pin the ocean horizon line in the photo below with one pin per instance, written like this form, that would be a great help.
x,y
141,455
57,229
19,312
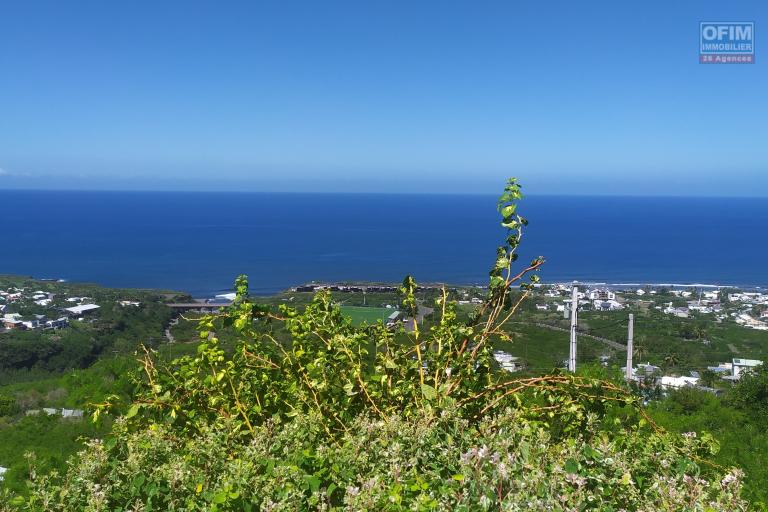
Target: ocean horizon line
x,y
373,193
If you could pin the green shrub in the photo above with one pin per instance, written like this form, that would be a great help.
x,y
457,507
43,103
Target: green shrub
x,y
425,462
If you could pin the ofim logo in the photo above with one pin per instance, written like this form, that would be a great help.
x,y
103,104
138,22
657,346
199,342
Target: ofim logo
x,y
727,42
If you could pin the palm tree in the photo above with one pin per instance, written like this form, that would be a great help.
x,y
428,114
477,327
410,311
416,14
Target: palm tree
x,y
700,331
671,360
640,346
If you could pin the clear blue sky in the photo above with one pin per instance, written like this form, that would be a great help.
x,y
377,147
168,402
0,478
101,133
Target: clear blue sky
x,y
380,96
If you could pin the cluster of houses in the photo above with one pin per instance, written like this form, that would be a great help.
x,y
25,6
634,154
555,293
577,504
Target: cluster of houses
x,y
14,294
599,299
15,321
749,301
733,371
752,298
710,303
61,315
707,303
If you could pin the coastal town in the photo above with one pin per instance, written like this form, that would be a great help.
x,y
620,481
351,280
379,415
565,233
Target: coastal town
x,y
686,337
44,310
750,309
29,308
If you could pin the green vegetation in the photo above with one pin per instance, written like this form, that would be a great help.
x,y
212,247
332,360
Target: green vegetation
x,y
51,440
368,315
112,329
46,442
737,421
70,367
543,349
308,411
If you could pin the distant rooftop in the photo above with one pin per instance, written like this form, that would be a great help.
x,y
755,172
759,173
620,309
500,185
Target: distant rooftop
x,y
747,362
78,310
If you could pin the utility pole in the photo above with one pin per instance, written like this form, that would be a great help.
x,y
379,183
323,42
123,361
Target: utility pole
x,y
630,349
574,321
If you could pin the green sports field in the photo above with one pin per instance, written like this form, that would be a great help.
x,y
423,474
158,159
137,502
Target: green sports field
x,y
360,314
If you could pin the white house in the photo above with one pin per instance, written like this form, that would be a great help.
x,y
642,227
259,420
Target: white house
x,y
678,312
669,382
607,305
744,365
79,310
507,361
601,294
701,308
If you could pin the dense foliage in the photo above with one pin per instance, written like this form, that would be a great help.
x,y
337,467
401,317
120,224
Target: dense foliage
x,y
737,420
45,441
751,394
428,461
344,417
51,440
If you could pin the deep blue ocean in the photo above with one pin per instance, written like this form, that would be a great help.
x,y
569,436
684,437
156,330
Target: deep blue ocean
x,y
199,242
